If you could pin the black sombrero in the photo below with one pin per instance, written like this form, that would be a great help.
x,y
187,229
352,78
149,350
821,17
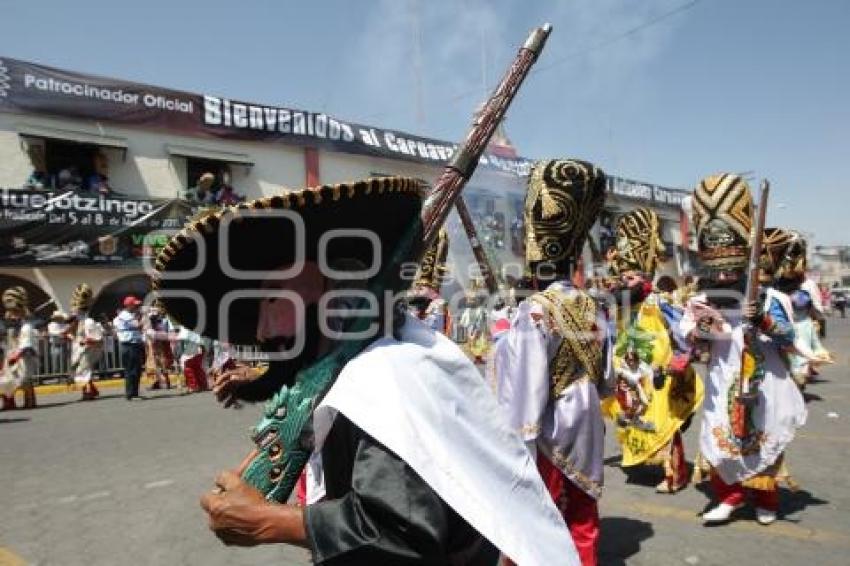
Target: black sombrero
x,y
388,207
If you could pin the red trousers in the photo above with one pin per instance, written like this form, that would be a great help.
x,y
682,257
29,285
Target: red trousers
x,y
736,494
193,371
578,508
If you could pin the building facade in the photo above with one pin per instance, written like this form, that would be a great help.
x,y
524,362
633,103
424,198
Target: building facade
x,y
151,146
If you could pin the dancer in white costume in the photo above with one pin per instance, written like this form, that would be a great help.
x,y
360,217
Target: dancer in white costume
x,y
744,446
87,348
21,357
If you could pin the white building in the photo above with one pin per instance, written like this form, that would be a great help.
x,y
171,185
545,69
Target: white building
x,y
157,142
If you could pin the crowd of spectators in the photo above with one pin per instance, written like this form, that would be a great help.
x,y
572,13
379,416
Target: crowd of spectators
x,y
69,177
158,347
214,190
208,189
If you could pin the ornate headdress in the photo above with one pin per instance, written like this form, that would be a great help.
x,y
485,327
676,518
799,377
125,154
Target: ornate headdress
x,y
723,218
81,298
433,269
16,298
563,201
783,254
639,244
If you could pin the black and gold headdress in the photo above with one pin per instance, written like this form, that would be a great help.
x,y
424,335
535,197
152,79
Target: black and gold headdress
x,y
16,298
81,298
639,245
783,254
723,218
563,201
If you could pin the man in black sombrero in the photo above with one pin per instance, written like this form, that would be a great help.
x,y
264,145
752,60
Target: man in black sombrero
x,y
413,462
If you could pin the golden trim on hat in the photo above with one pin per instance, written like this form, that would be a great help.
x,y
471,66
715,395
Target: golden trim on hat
x,y
723,219
388,207
638,245
565,196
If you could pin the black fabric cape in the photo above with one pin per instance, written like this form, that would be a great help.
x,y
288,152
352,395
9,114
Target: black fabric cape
x,y
377,510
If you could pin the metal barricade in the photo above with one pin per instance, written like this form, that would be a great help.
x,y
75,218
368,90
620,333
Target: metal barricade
x,y
110,364
54,356
54,360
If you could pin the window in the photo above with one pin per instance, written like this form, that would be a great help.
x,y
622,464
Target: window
x,y
195,167
74,158
60,164
69,159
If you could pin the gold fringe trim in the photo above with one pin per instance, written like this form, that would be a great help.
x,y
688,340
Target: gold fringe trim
x,y
587,485
761,483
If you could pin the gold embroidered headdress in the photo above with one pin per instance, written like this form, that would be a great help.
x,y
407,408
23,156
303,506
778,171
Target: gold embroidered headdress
x,y
81,298
639,244
16,298
565,196
723,218
783,254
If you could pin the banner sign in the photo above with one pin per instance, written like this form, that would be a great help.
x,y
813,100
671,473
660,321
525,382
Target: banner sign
x,y
31,88
71,228
648,193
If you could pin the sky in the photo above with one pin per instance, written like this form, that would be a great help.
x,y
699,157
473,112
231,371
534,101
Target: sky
x,y
664,91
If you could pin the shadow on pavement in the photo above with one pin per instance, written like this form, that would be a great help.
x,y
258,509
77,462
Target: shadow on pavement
x,y
649,476
808,397
620,538
790,503
5,420
151,396
49,405
613,461
793,502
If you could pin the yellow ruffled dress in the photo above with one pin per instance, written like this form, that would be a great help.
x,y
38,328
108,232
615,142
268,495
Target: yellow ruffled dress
x,y
669,406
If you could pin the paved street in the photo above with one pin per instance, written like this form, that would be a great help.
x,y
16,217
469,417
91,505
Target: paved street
x,y
110,482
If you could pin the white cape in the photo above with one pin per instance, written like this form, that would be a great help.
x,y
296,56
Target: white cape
x,y
424,400
780,410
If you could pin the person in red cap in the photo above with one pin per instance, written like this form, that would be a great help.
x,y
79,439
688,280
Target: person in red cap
x,y
128,326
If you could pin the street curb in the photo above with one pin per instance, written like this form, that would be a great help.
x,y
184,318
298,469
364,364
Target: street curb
x,y
55,389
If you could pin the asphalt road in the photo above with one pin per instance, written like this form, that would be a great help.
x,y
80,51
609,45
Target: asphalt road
x,y
111,482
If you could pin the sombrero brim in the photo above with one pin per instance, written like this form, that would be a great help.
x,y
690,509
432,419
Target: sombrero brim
x,y
387,207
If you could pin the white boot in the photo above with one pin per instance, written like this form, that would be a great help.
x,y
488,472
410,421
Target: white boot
x,y
765,516
719,514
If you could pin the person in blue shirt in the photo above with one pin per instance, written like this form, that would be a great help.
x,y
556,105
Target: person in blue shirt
x,y
128,326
